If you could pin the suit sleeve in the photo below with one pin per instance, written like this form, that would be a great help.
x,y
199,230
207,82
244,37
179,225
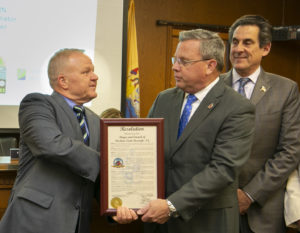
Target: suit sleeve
x,y
278,168
42,133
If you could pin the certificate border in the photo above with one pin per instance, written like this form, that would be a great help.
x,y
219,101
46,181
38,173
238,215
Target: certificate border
x,y
107,122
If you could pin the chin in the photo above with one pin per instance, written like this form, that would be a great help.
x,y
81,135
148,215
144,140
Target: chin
x,y
179,85
239,66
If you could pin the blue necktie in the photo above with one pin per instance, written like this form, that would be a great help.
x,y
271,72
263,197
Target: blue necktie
x,y
243,82
83,125
186,113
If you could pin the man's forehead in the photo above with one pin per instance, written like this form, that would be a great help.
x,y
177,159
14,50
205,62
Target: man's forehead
x,y
79,58
188,46
246,31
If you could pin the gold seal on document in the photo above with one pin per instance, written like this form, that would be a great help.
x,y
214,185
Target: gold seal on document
x,y
116,202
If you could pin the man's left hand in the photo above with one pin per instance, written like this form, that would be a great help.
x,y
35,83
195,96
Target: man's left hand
x,y
125,215
244,201
156,211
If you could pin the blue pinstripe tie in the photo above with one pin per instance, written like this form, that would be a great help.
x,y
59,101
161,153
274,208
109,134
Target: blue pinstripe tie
x,y
186,113
243,82
83,125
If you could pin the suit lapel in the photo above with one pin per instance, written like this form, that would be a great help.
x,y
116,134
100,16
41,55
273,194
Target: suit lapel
x,y
91,120
228,78
69,113
175,116
261,87
210,101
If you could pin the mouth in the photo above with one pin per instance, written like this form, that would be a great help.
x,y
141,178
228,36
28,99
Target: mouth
x,y
177,77
239,57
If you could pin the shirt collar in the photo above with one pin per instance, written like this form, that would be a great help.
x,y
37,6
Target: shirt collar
x,y
202,93
69,102
253,77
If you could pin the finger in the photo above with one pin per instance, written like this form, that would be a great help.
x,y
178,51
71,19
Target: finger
x,y
143,210
133,214
146,218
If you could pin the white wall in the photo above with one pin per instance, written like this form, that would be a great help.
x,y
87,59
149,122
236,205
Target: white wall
x,y
107,60
108,55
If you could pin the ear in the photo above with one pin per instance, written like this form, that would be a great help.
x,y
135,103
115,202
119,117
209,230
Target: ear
x,y
266,49
62,81
211,66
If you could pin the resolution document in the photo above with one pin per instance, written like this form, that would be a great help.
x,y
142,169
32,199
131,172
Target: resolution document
x,y
132,165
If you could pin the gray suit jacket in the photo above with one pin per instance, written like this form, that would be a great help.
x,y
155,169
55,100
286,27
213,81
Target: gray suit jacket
x,y
201,167
55,181
275,151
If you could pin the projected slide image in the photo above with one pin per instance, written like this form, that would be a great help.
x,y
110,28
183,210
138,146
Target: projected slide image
x,y
30,32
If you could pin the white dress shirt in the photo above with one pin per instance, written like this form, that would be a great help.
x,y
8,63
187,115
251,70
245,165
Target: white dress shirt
x,y
249,85
200,96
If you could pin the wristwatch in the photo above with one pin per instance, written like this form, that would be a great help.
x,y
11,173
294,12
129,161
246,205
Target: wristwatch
x,y
172,210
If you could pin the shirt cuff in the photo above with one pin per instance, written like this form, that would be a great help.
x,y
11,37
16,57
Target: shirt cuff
x,y
252,200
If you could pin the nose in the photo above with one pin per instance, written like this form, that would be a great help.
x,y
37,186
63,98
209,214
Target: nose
x,y
238,47
94,77
176,66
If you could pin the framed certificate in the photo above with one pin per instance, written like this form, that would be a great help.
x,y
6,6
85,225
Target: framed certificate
x,y
131,162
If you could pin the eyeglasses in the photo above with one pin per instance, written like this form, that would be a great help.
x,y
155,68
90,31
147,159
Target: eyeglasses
x,y
184,62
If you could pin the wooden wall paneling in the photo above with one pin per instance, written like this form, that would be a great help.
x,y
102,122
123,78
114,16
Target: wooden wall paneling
x,y
151,50
152,38
169,54
7,179
284,59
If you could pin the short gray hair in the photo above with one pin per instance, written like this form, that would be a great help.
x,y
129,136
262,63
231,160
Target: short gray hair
x,y
211,44
58,62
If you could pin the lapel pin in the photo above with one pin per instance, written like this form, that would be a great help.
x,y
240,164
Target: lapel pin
x,y
263,89
210,106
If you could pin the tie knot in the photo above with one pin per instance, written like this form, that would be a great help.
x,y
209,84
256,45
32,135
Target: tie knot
x,y
243,81
191,99
78,109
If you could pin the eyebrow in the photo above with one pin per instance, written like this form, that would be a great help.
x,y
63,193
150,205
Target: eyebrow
x,y
244,40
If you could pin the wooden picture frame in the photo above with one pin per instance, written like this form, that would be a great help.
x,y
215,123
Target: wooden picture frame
x,y
131,162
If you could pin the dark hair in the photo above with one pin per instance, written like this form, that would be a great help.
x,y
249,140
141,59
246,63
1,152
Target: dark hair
x,y
265,28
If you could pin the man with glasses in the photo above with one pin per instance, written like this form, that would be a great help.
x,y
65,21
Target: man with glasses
x,y
276,147
208,131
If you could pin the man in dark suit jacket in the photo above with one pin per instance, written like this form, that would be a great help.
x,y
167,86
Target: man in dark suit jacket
x,y
276,146
59,160
202,164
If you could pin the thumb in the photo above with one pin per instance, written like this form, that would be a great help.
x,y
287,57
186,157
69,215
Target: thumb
x,y
143,210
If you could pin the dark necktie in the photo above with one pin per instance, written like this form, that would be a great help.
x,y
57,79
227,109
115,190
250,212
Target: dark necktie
x,y
243,82
83,125
186,113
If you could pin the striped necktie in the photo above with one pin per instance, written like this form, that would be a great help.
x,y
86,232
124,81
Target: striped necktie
x,y
186,113
243,82
79,110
